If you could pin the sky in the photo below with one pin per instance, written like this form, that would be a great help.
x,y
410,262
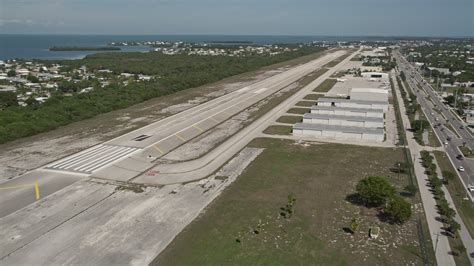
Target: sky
x,y
450,18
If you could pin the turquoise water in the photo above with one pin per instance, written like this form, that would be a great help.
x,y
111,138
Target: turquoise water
x,y
36,46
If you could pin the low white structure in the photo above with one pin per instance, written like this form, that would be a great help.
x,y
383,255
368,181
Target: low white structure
x,y
339,132
377,75
362,112
369,94
340,120
340,102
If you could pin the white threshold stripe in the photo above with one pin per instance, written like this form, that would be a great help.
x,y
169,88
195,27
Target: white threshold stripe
x,y
97,164
75,158
102,157
105,160
86,157
108,161
82,153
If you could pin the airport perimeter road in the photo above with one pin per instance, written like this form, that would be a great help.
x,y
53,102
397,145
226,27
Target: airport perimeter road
x,y
209,163
438,121
127,156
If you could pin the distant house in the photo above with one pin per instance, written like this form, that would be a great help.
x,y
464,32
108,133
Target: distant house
x,y
88,89
144,77
7,88
444,71
23,72
127,75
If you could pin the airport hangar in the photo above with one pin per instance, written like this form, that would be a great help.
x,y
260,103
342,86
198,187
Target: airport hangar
x,y
346,124
339,132
346,111
341,120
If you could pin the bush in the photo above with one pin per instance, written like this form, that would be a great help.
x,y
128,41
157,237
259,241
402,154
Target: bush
x,y
398,210
375,190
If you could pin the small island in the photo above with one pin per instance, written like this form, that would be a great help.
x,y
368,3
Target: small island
x,y
75,48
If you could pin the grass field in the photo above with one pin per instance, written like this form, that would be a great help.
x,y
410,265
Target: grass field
x,y
298,111
466,152
278,130
313,96
305,103
289,119
244,225
326,85
458,193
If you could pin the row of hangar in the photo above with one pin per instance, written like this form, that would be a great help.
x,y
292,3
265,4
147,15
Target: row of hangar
x,y
347,119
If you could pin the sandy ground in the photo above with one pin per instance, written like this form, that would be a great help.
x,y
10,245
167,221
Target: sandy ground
x,y
18,157
80,224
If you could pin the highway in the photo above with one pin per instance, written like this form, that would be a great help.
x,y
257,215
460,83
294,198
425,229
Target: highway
x,y
439,121
128,156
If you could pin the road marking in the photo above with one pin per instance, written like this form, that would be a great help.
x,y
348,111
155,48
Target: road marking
x,y
215,120
243,89
260,90
158,148
18,186
37,191
179,137
92,159
198,128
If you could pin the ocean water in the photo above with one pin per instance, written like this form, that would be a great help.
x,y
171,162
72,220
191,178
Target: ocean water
x,y
37,46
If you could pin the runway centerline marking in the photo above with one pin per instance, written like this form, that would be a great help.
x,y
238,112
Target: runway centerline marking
x,y
198,128
179,137
158,148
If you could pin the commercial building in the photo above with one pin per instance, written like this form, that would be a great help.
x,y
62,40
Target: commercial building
x,y
347,111
369,94
346,103
376,75
339,132
340,120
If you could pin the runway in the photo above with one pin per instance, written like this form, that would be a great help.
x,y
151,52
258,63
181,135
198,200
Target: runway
x,y
128,156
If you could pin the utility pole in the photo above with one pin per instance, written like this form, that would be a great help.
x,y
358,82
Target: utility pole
x,y
455,98
437,240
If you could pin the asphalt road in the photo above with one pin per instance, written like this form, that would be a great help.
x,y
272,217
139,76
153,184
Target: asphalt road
x,y
129,155
442,119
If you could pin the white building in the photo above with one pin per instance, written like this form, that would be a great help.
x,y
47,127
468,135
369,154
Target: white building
x,y
378,75
340,120
346,103
369,94
361,112
339,132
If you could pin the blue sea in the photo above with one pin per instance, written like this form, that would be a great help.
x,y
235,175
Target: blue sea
x,y
37,46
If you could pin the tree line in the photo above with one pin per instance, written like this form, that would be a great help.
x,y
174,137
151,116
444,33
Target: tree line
x,y
174,72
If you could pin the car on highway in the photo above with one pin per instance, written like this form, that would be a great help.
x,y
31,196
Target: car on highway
x,y
448,138
461,169
470,188
461,127
459,157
